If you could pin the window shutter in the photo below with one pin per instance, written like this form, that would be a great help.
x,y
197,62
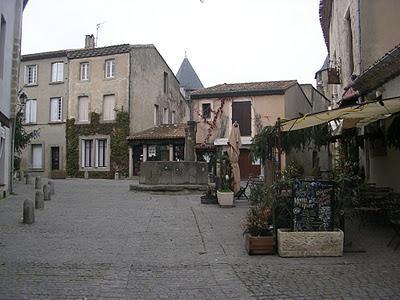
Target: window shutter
x,y
33,111
27,111
108,107
83,109
36,156
83,153
60,71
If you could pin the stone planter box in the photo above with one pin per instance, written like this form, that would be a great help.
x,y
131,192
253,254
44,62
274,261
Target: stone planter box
x,y
310,243
259,244
225,199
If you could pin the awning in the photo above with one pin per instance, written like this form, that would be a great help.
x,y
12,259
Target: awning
x,y
353,116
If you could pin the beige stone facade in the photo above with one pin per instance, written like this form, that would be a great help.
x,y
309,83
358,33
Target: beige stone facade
x,y
359,34
48,147
266,108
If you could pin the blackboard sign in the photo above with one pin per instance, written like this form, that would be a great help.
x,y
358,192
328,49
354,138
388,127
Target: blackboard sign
x,y
313,205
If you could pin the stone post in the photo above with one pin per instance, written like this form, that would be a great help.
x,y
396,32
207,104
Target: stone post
x,y
46,193
28,212
86,175
190,140
130,162
38,183
51,185
39,200
26,178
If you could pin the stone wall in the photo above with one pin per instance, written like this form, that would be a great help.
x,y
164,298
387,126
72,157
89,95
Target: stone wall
x,y
173,172
310,243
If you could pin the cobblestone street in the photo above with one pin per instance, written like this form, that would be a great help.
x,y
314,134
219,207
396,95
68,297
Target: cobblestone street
x,y
97,240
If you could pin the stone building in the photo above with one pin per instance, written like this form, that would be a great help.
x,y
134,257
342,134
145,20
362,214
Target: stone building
x,y
10,44
253,105
44,80
362,41
86,102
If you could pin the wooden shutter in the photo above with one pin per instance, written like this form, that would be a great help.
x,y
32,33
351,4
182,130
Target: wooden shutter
x,y
241,112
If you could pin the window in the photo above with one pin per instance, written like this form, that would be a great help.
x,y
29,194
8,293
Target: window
x,y
57,72
2,43
165,116
109,107
110,68
101,150
87,155
94,152
30,111
155,116
31,74
241,112
84,71
165,82
173,117
83,109
206,110
56,109
152,152
37,157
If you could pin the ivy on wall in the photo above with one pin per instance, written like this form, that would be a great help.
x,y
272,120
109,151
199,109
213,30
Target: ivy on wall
x,y
119,152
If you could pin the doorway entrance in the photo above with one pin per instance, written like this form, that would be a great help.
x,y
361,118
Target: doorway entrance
x,y
55,158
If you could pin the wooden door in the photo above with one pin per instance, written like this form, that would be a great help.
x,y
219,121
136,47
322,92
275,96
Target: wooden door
x,y
246,166
241,112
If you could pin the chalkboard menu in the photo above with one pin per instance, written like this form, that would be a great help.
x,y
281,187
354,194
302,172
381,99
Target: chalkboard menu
x,y
313,205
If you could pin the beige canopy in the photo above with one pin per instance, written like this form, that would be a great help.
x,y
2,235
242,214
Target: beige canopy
x,y
353,116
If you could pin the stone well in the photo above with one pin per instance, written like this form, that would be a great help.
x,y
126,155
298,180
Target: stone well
x,y
310,243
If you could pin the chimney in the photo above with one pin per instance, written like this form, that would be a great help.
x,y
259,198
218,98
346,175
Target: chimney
x,y
89,41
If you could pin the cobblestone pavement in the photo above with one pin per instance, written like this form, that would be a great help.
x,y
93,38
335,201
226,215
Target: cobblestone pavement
x,y
97,240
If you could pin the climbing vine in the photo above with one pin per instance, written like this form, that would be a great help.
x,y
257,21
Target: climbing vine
x,y
119,152
267,141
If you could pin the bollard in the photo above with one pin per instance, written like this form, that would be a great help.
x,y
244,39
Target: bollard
x,y
26,178
39,200
28,213
86,175
51,185
46,193
38,183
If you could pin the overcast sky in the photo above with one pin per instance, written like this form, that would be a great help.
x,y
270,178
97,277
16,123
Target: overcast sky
x,y
226,41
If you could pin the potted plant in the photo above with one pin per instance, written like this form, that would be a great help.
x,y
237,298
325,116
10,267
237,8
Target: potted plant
x,y
258,230
258,223
210,195
225,193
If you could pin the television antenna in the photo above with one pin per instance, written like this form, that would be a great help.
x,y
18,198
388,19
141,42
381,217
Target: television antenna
x,y
98,25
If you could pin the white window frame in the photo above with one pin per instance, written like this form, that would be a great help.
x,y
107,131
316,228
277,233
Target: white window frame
x,y
152,151
34,166
110,68
34,79
84,71
56,114
98,161
30,111
57,71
